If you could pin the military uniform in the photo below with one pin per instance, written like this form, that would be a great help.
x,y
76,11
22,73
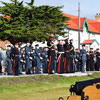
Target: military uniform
x,y
45,63
98,60
33,61
67,59
38,60
27,58
20,62
87,61
83,57
60,57
15,57
72,54
8,60
91,61
77,61
51,56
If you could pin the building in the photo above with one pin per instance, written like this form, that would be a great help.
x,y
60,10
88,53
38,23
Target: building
x,y
97,17
4,44
89,31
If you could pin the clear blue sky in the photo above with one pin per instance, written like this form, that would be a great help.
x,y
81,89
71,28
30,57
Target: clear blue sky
x,y
89,8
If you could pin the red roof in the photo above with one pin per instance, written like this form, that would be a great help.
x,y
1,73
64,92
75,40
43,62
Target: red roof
x,y
88,42
94,26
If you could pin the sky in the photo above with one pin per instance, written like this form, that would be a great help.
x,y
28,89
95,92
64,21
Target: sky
x,y
88,8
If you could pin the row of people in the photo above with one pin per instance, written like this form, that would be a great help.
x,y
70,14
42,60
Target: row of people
x,y
49,60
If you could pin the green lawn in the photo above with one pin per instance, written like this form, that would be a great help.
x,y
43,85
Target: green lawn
x,y
41,87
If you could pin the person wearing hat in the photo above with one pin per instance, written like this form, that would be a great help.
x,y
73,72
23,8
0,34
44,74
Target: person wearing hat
x,y
33,60
44,55
77,60
27,58
20,61
60,55
51,56
91,61
38,59
67,68
8,60
97,60
50,43
15,57
87,61
72,56
83,57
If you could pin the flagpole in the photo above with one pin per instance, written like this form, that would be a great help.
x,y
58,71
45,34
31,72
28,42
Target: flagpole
x,y
79,24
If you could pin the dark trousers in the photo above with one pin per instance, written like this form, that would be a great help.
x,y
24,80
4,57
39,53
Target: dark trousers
x,y
51,64
97,65
60,63
15,65
38,65
45,66
9,66
90,66
28,66
67,64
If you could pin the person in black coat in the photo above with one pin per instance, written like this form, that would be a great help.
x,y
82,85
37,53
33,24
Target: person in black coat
x,y
51,56
15,57
97,60
60,55
67,59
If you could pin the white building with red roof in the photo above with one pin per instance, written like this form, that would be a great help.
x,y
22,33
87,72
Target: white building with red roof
x,y
90,31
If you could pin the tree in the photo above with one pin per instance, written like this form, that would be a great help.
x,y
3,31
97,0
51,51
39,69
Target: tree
x,y
30,22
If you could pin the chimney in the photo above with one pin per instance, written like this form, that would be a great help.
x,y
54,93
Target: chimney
x,y
97,17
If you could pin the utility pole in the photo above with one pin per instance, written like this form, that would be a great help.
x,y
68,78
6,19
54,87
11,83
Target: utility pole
x,y
79,24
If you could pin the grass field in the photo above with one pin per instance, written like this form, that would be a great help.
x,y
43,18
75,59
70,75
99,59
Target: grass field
x,y
41,87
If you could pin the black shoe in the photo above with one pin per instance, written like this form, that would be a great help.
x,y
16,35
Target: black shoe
x,y
28,73
9,74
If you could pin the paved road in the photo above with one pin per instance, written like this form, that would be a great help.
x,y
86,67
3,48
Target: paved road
x,y
67,74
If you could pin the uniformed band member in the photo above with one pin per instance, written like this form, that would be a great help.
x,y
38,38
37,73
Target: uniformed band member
x,y
27,58
51,55
97,60
83,57
72,61
33,61
87,61
38,59
77,60
67,59
60,57
45,58
15,57
8,59
20,61
91,60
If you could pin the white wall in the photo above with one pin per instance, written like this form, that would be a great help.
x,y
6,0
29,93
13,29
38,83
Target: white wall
x,y
73,34
94,45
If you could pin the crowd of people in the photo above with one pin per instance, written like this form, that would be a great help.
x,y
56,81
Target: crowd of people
x,y
60,58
